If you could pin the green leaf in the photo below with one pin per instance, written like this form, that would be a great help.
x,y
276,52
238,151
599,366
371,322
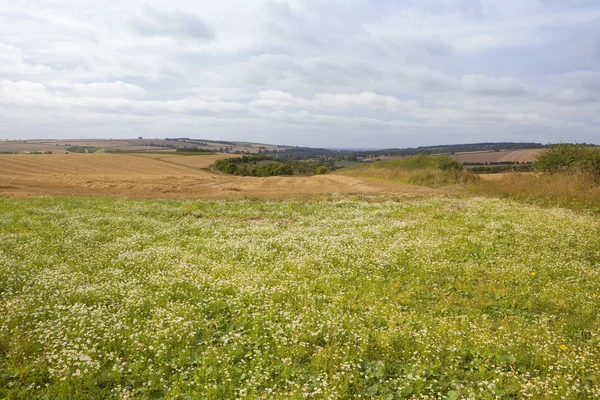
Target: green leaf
x,y
452,395
372,390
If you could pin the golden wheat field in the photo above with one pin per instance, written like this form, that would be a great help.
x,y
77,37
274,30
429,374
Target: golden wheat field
x,y
168,176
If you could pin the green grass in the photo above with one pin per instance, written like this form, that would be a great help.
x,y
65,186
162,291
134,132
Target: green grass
x,y
440,298
419,162
422,170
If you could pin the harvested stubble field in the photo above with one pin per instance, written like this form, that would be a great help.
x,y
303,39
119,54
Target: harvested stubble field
x,y
527,155
167,176
438,298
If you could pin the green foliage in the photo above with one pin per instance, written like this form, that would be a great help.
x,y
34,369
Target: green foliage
x,y
439,298
193,149
83,149
259,165
322,170
495,169
424,170
570,158
433,177
421,161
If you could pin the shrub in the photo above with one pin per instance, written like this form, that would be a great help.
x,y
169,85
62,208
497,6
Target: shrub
x,y
322,170
570,158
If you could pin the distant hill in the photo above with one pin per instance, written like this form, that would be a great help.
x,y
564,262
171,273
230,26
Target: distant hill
x,y
453,148
311,152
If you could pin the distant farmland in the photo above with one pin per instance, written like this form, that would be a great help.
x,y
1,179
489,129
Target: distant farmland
x,y
129,145
508,156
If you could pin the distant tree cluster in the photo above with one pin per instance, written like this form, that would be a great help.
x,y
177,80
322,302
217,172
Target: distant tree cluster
x,y
494,169
253,166
152,144
191,149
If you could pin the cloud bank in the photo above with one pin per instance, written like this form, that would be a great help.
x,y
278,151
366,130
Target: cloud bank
x,y
333,74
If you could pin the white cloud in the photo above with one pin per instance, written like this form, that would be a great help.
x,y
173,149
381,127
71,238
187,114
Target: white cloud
x,y
366,99
155,22
12,62
97,89
382,73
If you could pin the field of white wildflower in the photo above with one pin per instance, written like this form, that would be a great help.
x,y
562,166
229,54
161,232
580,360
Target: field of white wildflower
x,y
437,298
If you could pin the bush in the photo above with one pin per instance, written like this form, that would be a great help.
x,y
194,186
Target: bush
x,y
322,170
570,158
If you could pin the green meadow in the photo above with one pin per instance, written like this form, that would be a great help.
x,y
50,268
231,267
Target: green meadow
x,y
438,298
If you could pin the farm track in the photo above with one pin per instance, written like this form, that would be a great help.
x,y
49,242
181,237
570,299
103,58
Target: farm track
x,y
171,176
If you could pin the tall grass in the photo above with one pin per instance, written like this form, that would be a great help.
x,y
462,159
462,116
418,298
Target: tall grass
x,y
423,170
421,161
569,176
576,190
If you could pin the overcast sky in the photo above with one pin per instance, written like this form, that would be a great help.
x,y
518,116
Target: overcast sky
x,y
335,73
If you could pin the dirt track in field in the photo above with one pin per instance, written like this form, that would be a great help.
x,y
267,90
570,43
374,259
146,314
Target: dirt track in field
x,y
171,176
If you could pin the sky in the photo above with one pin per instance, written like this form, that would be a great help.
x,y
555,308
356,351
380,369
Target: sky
x,y
335,73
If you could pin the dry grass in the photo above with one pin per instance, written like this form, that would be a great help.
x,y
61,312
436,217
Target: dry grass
x,y
577,190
